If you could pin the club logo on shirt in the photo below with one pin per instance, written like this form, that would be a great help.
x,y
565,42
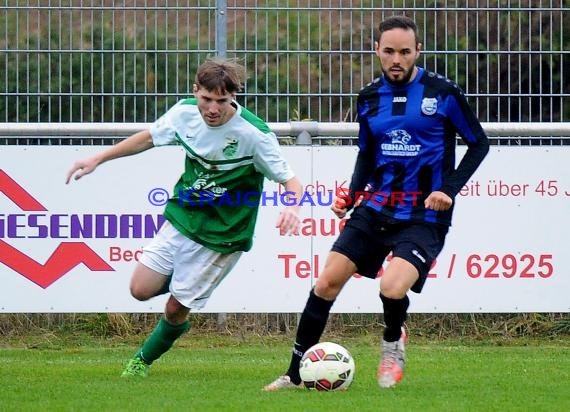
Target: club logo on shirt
x,y
230,148
429,106
400,144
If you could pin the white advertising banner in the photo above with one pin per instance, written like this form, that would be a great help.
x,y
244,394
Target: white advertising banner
x,y
72,248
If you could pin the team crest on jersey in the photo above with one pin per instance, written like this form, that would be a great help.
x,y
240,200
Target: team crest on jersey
x,y
230,148
429,106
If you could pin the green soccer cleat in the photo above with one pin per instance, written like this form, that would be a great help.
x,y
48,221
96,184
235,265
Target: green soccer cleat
x,y
136,367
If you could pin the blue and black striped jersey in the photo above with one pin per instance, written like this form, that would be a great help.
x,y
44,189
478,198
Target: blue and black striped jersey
x,y
407,143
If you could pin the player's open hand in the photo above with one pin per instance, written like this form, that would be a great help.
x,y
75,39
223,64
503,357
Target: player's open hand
x,y
288,222
81,168
438,201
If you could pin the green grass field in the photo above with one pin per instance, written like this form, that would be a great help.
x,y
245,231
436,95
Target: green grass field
x,y
214,373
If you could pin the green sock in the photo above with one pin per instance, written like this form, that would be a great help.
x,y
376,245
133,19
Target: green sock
x,y
161,340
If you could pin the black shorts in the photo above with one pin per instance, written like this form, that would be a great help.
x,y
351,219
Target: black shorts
x,y
368,237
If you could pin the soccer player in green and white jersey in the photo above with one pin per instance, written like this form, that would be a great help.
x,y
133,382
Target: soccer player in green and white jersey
x,y
209,223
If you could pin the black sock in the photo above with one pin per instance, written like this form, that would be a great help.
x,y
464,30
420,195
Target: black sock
x,y
395,314
311,326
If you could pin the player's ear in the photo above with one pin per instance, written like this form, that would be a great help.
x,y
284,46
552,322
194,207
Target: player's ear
x,y
195,88
418,50
377,48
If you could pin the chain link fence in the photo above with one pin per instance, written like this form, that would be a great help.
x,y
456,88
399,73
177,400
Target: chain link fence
x,y
128,61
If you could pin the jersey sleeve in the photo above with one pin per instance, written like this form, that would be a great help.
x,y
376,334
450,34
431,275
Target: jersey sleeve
x,y
163,130
472,133
464,119
269,161
365,160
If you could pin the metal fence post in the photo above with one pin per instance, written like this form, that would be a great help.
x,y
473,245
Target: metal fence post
x,y
221,27
221,51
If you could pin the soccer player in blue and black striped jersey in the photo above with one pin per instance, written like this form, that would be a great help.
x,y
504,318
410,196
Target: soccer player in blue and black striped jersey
x,y
405,171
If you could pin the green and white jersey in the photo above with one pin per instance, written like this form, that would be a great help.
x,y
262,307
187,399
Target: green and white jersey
x,y
216,200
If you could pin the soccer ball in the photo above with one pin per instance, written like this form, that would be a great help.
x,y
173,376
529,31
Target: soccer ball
x,y
327,366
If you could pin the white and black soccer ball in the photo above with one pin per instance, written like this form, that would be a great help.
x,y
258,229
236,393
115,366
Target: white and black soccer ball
x,y
327,366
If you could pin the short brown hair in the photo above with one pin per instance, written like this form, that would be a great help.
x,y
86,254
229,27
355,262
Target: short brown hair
x,y
220,75
398,22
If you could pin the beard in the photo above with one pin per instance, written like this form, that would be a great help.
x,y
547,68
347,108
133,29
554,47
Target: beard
x,y
401,81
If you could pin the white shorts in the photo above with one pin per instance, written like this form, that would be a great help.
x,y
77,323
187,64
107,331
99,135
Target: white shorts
x,y
196,270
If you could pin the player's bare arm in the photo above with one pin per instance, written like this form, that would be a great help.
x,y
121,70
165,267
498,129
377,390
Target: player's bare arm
x,y
438,201
138,142
288,221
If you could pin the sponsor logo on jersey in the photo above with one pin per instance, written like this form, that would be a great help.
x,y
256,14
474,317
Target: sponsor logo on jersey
x,y
399,99
400,144
204,185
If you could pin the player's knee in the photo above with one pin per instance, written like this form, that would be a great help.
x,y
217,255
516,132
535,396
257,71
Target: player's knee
x,y
327,289
175,313
140,292
394,290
